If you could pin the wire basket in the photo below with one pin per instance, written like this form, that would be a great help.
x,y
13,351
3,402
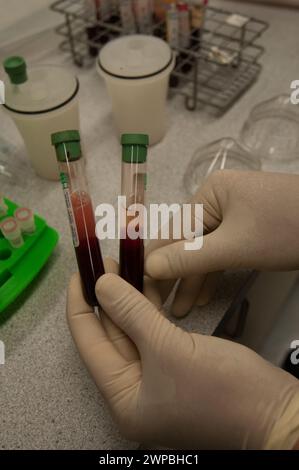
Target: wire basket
x,y
200,74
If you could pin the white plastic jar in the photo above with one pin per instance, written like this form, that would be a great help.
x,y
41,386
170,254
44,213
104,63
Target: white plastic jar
x,y
41,102
136,70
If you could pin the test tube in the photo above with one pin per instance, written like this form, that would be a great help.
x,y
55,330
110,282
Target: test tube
x,y
185,34
131,255
3,207
198,12
105,9
144,16
12,232
127,16
93,31
172,30
80,211
25,219
173,33
184,24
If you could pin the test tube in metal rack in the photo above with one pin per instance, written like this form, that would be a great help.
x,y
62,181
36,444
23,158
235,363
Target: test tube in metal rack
x,y
80,211
131,256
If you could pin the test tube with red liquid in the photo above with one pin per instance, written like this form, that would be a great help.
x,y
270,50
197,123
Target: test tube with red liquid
x,y
131,255
80,211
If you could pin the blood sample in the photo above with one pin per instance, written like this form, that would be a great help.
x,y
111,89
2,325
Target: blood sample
x,y
88,253
131,256
131,260
80,211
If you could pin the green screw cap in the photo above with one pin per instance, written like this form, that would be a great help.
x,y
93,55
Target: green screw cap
x,y
65,136
134,148
16,69
135,139
67,145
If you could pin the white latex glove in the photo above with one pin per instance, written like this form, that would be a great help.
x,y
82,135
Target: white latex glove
x,y
170,388
250,222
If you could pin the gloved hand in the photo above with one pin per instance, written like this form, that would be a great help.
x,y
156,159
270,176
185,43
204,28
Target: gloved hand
x,y
250,221
171,388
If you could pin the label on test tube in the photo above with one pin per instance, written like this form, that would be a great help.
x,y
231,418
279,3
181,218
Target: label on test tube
x,y
68,200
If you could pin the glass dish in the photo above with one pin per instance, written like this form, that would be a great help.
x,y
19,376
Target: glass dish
x,y
13,169
272,130
222,154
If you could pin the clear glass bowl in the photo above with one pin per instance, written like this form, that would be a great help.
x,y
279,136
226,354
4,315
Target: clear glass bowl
x,y
222,154
13,169
272,130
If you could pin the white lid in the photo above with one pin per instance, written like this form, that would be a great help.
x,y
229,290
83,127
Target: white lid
x,y
47,88
135,56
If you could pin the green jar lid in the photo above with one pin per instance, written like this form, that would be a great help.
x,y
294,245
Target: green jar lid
x,y
67,145
134,148
15,67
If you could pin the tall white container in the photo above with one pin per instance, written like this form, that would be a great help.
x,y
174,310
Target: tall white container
x,y
41,103
136,70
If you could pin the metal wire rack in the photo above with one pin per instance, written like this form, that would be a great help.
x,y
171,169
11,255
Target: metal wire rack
x,y
199,76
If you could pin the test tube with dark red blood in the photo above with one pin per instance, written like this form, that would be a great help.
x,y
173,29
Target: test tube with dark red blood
x,y
131,255
80,211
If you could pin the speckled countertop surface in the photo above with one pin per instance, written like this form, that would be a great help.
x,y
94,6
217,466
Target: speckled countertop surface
x,y
47,399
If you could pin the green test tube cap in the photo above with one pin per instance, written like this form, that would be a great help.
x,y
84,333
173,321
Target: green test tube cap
x,y
15,67
134,148
67,144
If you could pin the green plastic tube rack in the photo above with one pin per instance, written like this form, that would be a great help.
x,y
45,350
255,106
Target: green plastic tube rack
x,y
18,267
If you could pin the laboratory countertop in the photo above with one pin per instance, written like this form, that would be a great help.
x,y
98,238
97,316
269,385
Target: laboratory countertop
x,y
47,399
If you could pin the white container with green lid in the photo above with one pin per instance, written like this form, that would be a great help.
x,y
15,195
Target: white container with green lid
x,y
136,69
41,101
